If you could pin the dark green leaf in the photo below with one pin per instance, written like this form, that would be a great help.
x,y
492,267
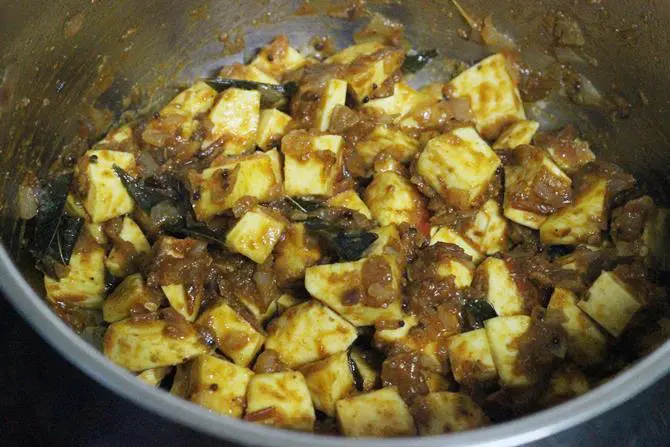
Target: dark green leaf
x,y
351,245
272,95
66,238
145,196
305,204
475,312
50,205
416,61
201,231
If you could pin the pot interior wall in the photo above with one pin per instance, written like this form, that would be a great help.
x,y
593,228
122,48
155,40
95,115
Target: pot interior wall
x,y
59,59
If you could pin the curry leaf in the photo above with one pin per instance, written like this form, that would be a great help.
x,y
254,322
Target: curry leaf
x,y
475,312
145,196
351,245
416,61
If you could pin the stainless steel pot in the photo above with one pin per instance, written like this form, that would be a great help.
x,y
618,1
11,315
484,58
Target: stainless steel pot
x,y
58,57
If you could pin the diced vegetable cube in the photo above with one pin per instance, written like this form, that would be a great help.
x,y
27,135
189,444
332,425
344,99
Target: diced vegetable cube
x,y
278,57
388,336
84,284
189,104
494,97
581,222
271,128
503,333
139,344
565,383
388,237
329,380
312,164
246,73
219,385
256,234
586,343
118,261
106,196
436,382
343,288
294,254
449,236
458,165
309,332
380,413
235,336
401,102
132,294
568,152
445,412
470,358
280,399
285,301
334,94
350,200
610,303
502,291
389,140
154,376
461,270
488,231
234,119
392,199
517,134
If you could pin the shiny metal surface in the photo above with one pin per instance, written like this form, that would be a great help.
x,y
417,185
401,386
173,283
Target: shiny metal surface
x,y
50,75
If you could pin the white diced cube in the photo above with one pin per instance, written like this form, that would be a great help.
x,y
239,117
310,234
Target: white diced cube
x,y
389,140
256,234
271,128
517,134
246,73
568,152
312,164
445,412
234,119
294,253
154,376
582,222
119,260
341,287
84,284
329,380
470,358
494,97
218,188
488,230
285,301
458,165
219,385
191,102
389,336
334,94
392,199
503,333
132,295
449,236
278,58
139,344
380,413
461,270
280,399
502,291
106,197
309,332
533,170
401,102
235,336
387,242
610,303
351,200
567,382
587,345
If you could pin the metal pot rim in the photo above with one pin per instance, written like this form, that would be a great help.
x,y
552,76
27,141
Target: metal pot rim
x,y
527,429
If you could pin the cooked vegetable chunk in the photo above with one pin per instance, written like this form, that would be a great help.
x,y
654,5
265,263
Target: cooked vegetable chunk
x,y
502,291
361,291
494,98
329,380
278,57
586,343
389,140
309,332
219,385
271,128
568,152
565,383
312,164
178,117
611,303
579,223
118,261
350,200
139,344
106,197
392,199
334,94
449,236
255,234
488,230
380,413
294,254
218,188
458,165
246,73
154,376
84,284
131,295
234,119
470,358
280,399
503,333
235,336
444,412
399,104
517,134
